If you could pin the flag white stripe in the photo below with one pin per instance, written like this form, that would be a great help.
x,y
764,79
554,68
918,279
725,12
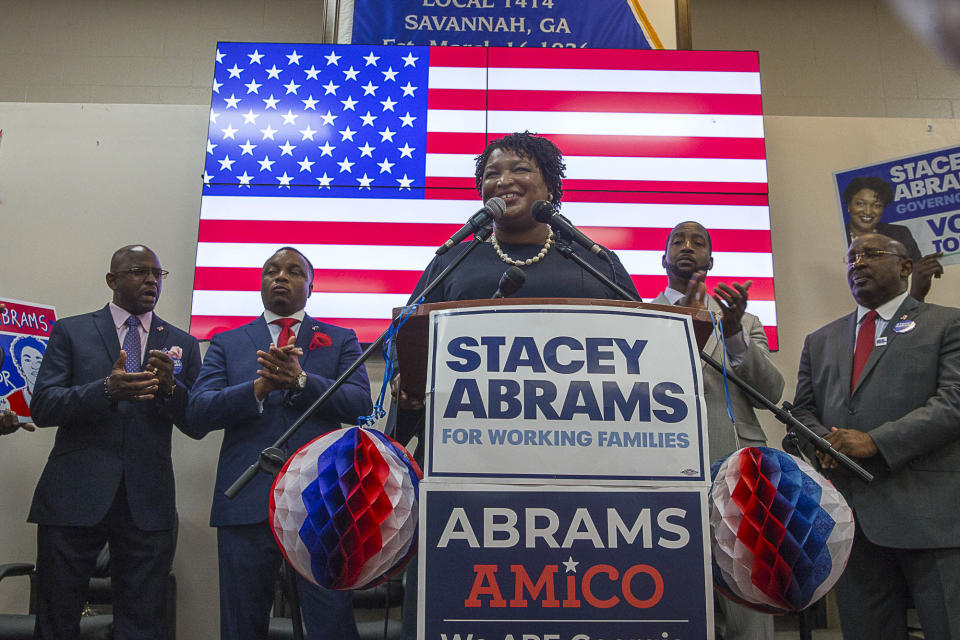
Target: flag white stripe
x,y
732,264
454,165
356,305
594,214
609,124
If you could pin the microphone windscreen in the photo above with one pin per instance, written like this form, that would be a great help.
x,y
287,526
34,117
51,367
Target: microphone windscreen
x,y
542,211
511,281
496,206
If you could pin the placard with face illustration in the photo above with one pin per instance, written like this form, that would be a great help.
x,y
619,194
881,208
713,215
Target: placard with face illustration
x,y
24,332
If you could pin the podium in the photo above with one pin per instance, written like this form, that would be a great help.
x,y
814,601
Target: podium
x,y
566,471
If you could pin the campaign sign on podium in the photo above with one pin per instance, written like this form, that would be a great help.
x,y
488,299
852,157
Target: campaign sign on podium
x,y
522,562
575,393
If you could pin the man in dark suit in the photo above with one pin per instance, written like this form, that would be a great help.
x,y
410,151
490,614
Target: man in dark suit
x,y
256,380
109,477
687,259
883,386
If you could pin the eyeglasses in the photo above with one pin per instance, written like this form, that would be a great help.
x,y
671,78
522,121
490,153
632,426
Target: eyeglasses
x,y
869,255
142,272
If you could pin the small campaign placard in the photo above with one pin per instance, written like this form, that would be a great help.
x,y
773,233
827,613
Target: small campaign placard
x,y
574,393
24,332
563,563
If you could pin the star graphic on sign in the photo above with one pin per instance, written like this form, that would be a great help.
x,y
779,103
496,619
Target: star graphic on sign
x,y
226,164
291,87
368,119
369,89
406,151
255,57
294,57
326,149
388,104
206,177
232,101
235,71
390,74
324,181
307,133
284,179
385,166
216,86
350,74
349,104
346,165
286,149
248,148
253,86
266,164
310,103
273,72
328,118
210,146
410,60
220,56
371,59
332,58
330,88
386,135
271,102
250,117
405,182
347,134
366,150
571,566
228,132
364,181
213,116
268,132
408,89
305,164
290,117
407,120
245,179
312,73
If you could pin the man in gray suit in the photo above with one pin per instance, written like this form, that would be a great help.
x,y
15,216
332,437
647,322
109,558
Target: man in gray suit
x,y
882,384
688,257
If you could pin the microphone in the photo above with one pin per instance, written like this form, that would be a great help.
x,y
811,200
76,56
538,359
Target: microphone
x,y
510,282
543,211
492,210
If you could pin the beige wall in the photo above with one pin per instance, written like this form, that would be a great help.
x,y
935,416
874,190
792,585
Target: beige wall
x,y
103,108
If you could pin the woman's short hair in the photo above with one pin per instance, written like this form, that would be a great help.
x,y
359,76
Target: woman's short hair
x,y
878,185
547,155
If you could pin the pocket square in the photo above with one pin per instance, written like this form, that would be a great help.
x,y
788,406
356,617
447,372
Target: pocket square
x,y
320,339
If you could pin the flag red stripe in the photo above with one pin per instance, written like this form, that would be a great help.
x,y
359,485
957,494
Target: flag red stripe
x,y
655,238
622,102
615,146
624,185
458,57
649,287
438,189
546,58
773,340
456,99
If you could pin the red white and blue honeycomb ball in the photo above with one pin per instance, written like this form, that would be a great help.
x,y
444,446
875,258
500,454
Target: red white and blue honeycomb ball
x,y
344,508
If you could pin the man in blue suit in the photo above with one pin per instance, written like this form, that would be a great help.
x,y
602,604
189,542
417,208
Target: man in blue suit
x,y
115,381
256,380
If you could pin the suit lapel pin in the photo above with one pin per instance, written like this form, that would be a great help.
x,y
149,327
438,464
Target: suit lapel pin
x,y
316,327
904,326
881,341
160,328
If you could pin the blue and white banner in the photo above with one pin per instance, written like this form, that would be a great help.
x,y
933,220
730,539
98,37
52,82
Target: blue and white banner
x,y
913,199
510,562
575,393
611,24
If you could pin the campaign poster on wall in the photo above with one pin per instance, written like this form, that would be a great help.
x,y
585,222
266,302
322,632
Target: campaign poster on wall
x,y
626,24
563,563
914,200
529,392
24,333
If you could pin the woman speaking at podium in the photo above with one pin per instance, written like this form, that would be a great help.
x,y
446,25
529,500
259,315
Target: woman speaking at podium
x,y
521,168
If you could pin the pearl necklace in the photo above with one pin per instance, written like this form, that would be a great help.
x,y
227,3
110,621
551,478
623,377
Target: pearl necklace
x,y
528,261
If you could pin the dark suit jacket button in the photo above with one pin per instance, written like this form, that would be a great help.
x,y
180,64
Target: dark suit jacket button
x,y
851,410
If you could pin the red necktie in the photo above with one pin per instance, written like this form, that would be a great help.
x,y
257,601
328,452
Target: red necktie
x,y
865,339
286,332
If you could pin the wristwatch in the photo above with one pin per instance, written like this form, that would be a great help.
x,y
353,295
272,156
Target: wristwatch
x,y
301,382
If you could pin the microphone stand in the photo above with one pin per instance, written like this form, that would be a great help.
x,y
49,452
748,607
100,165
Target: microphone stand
x,y
272,458
782,414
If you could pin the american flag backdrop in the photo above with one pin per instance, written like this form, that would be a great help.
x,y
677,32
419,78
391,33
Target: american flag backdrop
x,y
363,158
